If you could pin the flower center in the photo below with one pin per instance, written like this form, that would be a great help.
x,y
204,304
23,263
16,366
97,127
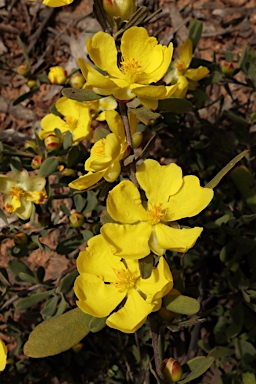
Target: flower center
x,y
37,197
125,280
180,65
99,148
155,214
130,67
71,122
16,192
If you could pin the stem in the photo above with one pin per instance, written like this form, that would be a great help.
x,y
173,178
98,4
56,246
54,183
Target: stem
x,y
124,115
155,332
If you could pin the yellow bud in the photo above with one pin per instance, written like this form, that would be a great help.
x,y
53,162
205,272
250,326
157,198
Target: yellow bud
x,y
76,220
172,370
22,69
37,161
30,144
137,139
77,80
227,69
57,75
68,172
52,142
119,8
32,84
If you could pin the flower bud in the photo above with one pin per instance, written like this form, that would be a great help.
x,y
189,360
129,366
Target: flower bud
x,y
76,220
31,145
37,161
77,80
32,84
68,172
119,8
137,139
20,238
171,369
52,142
227,68
22,69
57,75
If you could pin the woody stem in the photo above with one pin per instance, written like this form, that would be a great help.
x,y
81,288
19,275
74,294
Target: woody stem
x,y
124,115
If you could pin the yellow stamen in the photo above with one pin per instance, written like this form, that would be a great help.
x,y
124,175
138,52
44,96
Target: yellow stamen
x,y
71,122
155,214
125,280
180,65
9,208
130,67
37,197
16,192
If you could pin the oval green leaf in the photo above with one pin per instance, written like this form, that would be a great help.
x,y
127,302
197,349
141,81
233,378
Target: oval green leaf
x,y
181,304
58,334
196,367
80,94
48,167
28,302
246,184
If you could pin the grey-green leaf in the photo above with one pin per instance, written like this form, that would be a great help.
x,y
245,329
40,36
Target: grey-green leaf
x,y
80,94
196,367
58,334
48,167
28,302
184,305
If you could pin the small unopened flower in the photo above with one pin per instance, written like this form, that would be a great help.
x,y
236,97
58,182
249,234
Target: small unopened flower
x,y
32,83
172,370
37,161
227,68
52,142
119,8
22,69
3,355
77,80
20,238
21,191
57,75
76,220
30,144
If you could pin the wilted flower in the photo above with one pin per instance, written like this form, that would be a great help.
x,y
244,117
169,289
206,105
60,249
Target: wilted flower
x,y
143,62
21,191
106,281
151,226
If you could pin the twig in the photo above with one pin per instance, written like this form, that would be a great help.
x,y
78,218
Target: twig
x,y
124,115
155,332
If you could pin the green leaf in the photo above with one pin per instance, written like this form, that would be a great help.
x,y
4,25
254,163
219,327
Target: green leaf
x,y
196,367
92,202
80,94
17,266
97,324
195,32
236,118
3,217
219,352
25,96
69,245
49,308
229,56
27,278
79,203
248,378
175,105
146,266
58,334
68,140
246,184
178,303
100,133
145,115
48,167
67,282
215,181
28,302
24,51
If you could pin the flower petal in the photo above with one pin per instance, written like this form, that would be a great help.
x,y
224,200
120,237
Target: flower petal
x,y
102,50
182,87
189,200
115,124
57,3
124,203
98,260
95,297
3,355
159,181
185,52
86,181
197,74
158,284
154,92
179,240
49,123
6,183
128,241
132,316
25,210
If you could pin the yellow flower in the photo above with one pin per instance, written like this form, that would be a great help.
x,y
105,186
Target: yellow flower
x,y
76,119
98,107
119,8
57,75
105,282
184,76
21,191
143,62
57,3
152,226
3,355
106,154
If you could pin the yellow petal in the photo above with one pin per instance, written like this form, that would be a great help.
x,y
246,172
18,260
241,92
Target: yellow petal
x,y
6,183
86,181
124,203
96,79
115,124
185,52
95,297
182,87
3,355
179,240
159,181
57,3
189,200
98,260
158,284
102,50
132,316
197,74
112,172
128,241
25,210
154,92
49,123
